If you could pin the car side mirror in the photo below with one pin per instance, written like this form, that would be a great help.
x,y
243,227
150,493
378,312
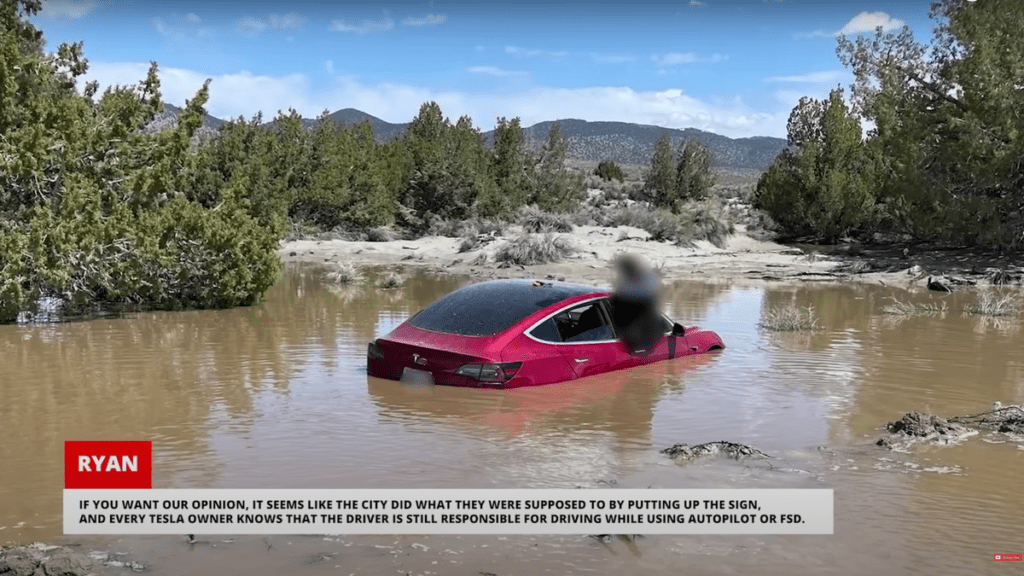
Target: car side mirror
x,y
678,329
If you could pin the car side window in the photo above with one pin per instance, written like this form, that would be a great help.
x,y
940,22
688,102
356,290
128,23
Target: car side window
x,y
547,331
585,323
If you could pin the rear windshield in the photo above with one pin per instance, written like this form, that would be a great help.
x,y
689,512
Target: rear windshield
x,y
490,307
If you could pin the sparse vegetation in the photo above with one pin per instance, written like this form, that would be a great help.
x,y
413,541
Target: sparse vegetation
x,y
345,273
381,234
695,221
901,308
528,249
390,281
536,220
991,303
790,319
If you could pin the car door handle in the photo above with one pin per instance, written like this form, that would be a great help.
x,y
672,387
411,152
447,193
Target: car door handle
x,y
582,359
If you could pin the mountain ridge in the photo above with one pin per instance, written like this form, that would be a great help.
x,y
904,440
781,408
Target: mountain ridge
x,y
589,141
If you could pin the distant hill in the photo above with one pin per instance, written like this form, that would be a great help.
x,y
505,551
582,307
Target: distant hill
x,y
628,143
623,142
382,130
169,119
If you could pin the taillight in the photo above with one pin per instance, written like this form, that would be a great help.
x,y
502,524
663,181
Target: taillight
x,y
490,372
373,351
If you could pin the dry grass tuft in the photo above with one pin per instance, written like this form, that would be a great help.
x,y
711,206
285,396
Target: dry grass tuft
x,y
991,303
390,281
900,308
344,274
790,319
536,220
528,249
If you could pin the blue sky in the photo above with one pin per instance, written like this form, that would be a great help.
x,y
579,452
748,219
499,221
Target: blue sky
x,y
734,67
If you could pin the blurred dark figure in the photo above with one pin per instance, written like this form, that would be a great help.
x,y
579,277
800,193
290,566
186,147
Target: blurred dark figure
x,y
635,307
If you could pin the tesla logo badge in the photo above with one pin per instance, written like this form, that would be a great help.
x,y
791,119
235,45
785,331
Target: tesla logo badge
x,y
419,359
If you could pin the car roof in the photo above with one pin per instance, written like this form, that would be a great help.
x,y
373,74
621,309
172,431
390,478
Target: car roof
x,y
488,308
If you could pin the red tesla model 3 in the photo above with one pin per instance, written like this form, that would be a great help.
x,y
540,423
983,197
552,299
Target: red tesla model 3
x,y
512,333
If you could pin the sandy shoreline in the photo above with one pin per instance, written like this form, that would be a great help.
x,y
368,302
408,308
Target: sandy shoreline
x,y
743,259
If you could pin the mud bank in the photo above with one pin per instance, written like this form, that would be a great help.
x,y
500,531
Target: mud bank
x,y
51,560
742,259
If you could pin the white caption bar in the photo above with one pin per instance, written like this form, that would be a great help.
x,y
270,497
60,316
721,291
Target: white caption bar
x,y
448,511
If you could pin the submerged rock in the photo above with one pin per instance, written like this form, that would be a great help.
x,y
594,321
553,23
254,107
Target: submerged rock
x,y
727,449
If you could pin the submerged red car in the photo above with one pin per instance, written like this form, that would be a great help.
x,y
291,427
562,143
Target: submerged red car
x,y
512,333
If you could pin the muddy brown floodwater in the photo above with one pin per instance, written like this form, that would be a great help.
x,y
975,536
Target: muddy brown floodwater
x,y
276,396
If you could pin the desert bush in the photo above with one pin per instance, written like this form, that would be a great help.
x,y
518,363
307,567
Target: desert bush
x,y
527,249
470,243
705,220
381,234
608,170
345,273
536,220
701,220
790,319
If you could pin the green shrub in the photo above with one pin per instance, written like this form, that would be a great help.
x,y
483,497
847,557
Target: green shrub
x,y
608,170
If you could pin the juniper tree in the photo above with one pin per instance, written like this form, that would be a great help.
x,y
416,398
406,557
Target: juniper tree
x,y
557,189
660,182
694,177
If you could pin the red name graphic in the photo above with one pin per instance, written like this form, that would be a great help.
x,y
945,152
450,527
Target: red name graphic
x,y
1008,557
108,464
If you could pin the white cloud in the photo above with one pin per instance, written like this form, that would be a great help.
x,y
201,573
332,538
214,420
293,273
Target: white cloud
x,y
364,26
697,3
869,21
532,53
244,93
68,8
495,71
613,58
178,27
330,67
826,76
251,26
815,34
286,21
676,58
428,20
865,22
